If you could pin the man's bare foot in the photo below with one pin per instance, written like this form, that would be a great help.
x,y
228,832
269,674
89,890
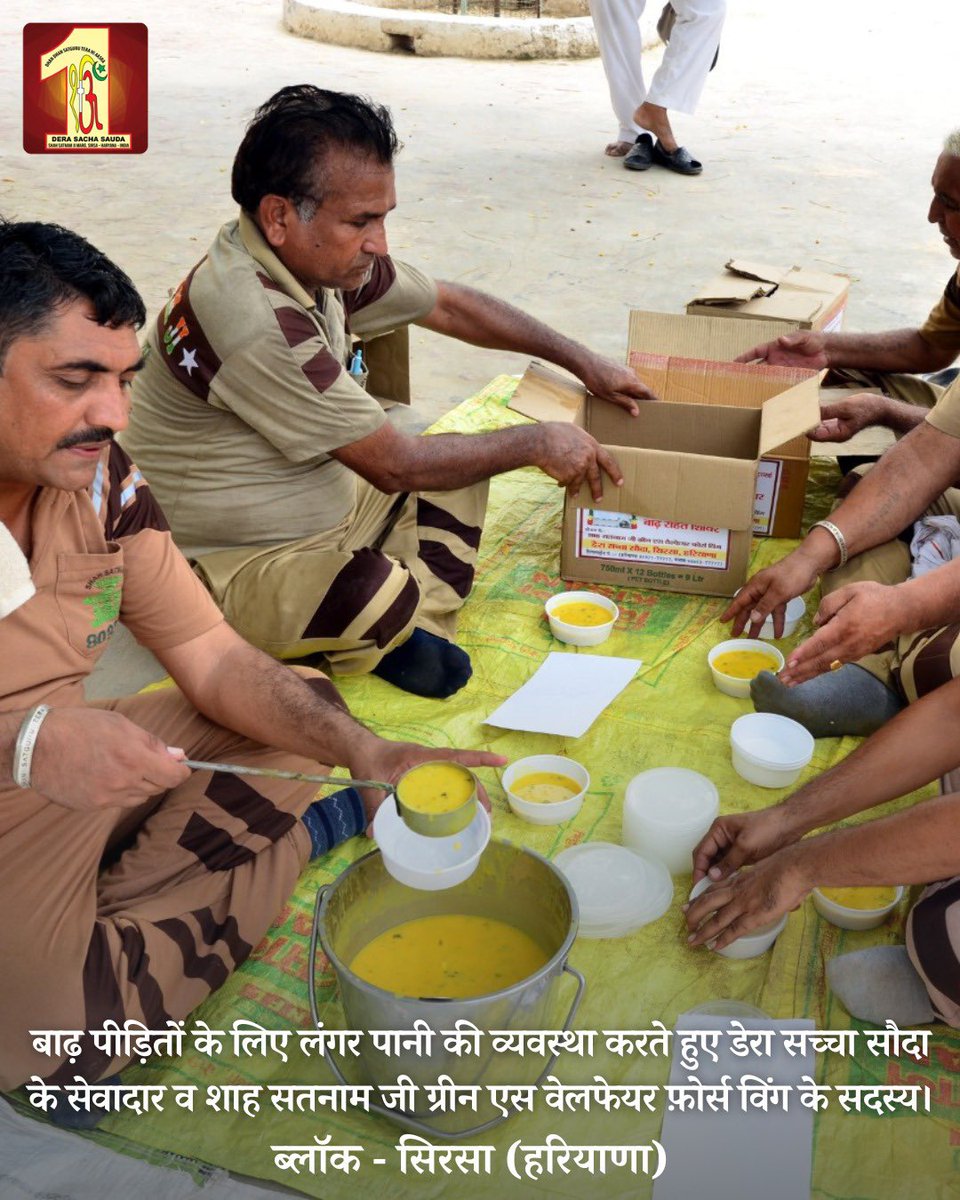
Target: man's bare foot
x,y
617,149
654,117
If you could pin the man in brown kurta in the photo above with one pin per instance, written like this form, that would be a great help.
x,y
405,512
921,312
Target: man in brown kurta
x,y
130,885
317,525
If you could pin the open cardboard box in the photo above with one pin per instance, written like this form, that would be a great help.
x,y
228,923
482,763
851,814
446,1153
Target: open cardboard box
x,y
747,289
682,520
782,474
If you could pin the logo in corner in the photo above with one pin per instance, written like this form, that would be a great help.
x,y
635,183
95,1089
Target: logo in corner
x,y
85,88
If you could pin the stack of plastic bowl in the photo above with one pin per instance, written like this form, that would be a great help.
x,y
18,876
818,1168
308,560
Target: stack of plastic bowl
x,y
618,891
769,750
853,918
752,944
549,812
666,812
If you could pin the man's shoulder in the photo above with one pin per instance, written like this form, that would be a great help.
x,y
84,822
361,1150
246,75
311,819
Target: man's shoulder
x,y
122,498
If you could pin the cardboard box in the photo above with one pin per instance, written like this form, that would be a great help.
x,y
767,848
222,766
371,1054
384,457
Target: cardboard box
x,y
682,519
782,474
813,299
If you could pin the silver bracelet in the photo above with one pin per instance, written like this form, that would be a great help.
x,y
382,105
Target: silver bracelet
x,y
838,537
26,741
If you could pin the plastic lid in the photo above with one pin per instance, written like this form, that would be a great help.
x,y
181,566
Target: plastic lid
x,y
673,797
618,891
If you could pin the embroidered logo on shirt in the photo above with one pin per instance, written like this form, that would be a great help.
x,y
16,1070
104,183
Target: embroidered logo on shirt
x,y
104,600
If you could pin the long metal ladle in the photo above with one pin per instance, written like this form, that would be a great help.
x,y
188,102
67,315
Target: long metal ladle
x,y
274,773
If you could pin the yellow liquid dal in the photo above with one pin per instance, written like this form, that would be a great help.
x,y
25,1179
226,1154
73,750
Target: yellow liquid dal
x,y
864,898
451,957
744,664
581,612
436,788
544,787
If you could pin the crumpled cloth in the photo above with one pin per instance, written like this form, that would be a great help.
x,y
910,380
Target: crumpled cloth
x,y
16,586
936,540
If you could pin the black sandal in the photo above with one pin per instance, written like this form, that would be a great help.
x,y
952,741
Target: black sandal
x,y
679,160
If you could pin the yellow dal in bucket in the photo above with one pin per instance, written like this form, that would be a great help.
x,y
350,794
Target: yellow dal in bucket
x,y
451,957
863,898
744,664
545,787
436,788
581,612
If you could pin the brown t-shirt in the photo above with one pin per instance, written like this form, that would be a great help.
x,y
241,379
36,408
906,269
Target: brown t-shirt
x,y
245,393
98,557
942,327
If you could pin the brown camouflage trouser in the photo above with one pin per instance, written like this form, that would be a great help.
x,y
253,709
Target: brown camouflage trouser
x,y
355,592
141,913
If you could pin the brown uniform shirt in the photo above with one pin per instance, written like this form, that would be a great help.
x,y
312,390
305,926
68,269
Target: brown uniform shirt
x,y
942,327
98,557
245,393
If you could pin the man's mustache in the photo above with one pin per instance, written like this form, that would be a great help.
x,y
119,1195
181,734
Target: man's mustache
x,y
85,436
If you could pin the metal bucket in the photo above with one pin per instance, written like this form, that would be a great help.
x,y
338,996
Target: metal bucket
x,y
510,884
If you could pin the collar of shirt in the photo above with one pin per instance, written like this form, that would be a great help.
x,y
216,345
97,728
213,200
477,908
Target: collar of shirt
x,y
257,247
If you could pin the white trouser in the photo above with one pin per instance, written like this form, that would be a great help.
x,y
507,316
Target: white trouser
x,y
679,79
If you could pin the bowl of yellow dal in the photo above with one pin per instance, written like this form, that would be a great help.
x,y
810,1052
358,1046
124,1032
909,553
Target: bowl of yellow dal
x,y
581,618
735,663
857,907
545,789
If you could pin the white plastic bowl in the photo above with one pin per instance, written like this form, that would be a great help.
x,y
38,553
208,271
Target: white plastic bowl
x,y
666,812
752,944
729,683
580,635
795,610
769,750
853,918
429,864
550,813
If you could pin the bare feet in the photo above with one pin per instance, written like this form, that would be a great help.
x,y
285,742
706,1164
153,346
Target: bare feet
x,y
617,149
654,118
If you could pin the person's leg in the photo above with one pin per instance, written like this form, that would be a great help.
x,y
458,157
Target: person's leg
x,y
189,884
438,535
679,80
617,24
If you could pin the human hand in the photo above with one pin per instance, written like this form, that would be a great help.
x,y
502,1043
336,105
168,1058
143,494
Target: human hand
x,y
735,840
572,457
89,759
747,901
840,421
804,349
853,621
388,760
769,591
615,383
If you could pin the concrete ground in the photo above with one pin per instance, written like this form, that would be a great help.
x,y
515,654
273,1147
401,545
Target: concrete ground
x,y
819,129
818,137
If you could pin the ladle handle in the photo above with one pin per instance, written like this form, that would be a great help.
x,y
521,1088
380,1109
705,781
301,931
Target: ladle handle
x,y
276,773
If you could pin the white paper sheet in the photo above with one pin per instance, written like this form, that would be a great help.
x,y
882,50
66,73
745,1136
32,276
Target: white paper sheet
x,y
738,1155
566,694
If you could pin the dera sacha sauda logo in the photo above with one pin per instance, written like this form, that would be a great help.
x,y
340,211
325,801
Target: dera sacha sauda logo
x,y
85,88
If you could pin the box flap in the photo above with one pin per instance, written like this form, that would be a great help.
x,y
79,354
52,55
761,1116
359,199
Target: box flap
x,y
714,339
695,489
546,395
751,269
731,289
791,413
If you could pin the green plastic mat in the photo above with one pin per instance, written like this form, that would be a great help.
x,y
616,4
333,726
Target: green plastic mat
x,y
669,715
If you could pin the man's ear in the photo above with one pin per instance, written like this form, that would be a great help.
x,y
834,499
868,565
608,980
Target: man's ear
x,y
274,214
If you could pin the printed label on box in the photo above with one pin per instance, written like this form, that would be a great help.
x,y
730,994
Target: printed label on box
x,y
766,493
630,538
